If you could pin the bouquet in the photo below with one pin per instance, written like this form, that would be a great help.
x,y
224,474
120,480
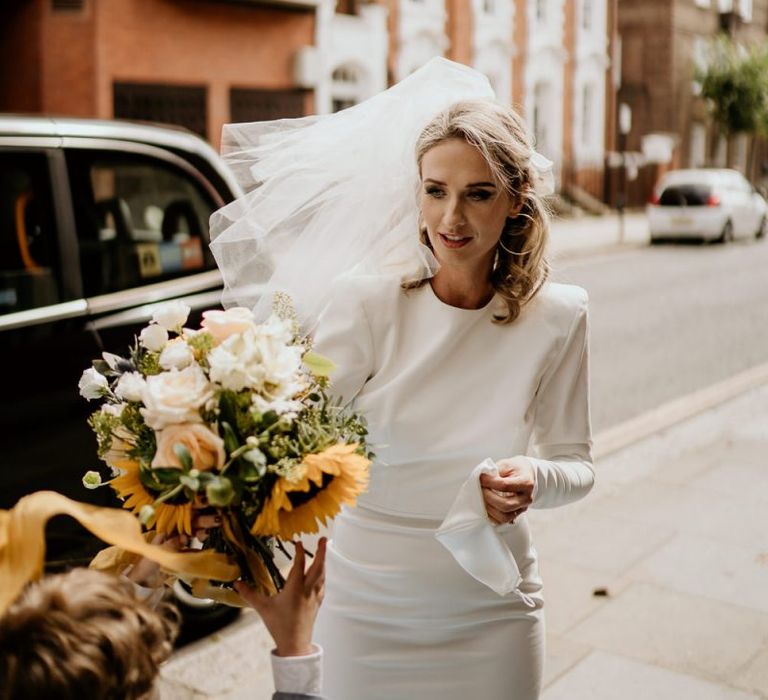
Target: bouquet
x,y
233,418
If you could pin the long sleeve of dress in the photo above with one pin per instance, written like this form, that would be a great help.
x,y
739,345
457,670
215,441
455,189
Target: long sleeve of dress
x,y
344,337
562,435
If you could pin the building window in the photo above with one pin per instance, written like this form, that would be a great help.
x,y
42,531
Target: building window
x,y
540,116
183,105
541,11
745,10
721,152
347,7
587,9
698,154
739,157
489,7
346,87
248,105
67,5
587,115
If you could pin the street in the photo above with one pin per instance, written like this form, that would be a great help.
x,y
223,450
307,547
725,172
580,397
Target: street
x,y
669,320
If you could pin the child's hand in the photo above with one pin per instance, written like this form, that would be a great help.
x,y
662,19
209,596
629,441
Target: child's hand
x,y
145,571
290,615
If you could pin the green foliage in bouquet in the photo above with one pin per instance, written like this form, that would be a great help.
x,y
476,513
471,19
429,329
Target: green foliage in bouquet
x,y
233,418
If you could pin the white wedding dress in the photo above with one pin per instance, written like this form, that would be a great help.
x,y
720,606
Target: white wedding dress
x,y
443,389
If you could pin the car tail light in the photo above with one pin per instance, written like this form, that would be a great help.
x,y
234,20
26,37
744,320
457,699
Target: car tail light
x,y
653,199
713,201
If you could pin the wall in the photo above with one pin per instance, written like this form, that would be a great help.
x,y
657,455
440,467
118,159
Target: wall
x,y
20,88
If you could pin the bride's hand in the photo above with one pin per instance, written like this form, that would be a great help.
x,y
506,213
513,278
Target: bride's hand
x,y
508,495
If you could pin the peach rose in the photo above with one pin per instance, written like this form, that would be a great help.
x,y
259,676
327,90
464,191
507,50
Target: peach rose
x,y
222,324
204,446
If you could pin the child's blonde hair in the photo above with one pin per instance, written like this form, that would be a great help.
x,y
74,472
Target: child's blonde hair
x,y
82,635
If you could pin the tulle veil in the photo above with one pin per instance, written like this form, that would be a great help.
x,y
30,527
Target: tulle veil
x,y
332,195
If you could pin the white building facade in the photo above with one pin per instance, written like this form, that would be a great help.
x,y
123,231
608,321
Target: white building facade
x,y
590,73
355,57
493,23
544,76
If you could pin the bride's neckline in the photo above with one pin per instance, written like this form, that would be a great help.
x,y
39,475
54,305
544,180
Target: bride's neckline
x,y
459,309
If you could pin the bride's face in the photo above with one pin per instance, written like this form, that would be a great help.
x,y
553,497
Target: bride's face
x,y
463,208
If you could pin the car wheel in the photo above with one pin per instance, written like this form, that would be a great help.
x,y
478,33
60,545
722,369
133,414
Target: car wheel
x,y
760,233
726,235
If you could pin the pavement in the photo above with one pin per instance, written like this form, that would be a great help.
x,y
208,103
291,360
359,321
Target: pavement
x,y
656,584
589,235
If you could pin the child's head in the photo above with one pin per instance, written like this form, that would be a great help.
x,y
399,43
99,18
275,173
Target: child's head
x,y
79,635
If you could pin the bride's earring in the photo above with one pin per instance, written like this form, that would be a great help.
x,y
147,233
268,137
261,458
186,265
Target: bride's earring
x,y
504,248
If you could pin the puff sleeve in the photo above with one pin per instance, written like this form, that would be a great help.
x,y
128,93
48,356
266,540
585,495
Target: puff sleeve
x,y
562,435
344,337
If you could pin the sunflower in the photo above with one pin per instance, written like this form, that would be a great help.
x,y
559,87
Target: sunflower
x,y
317,489
169,518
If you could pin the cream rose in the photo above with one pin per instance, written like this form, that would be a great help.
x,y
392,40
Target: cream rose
x,y
171,316
175,397
204,446
222,324
153,337
176,354
130,386
262,359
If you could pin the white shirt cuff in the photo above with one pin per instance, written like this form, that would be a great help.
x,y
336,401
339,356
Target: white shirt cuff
x,y
299,674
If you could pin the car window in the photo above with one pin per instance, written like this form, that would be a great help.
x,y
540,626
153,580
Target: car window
x,y
28,246
140,220
685,195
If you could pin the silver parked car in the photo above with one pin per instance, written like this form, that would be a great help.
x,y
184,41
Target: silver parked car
x,y
711,204
100,221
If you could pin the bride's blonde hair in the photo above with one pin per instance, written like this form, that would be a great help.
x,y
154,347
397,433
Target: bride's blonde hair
x,y
499,133
83,634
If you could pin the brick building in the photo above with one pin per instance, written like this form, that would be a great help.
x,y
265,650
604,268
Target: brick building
x,y
198,64
663,44
202,63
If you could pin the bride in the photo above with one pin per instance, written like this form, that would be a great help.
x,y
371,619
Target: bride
x,y
470,366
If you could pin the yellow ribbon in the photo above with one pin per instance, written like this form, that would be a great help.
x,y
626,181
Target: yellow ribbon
x,y
22,542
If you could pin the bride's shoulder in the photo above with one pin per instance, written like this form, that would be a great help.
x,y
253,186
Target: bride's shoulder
x,y
370,292
560,302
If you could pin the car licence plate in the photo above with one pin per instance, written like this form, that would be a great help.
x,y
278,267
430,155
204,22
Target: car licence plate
x,y
681,221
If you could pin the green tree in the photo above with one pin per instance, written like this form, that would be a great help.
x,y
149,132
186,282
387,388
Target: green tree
x,y
735,84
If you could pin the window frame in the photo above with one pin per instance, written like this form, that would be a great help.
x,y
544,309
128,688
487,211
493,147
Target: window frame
x,y
123,148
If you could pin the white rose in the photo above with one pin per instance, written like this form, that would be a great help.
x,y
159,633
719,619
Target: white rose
x,y
256,361
92,385
130,386
285,408
113,409
176,354
222,324
279,329
154,337
175,397
171,316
